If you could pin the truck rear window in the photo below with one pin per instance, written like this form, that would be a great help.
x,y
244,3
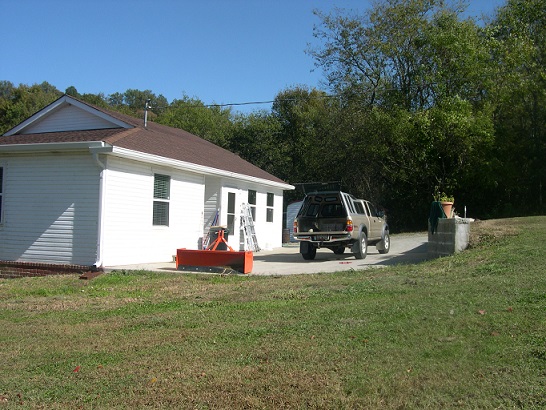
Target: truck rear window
x,y
323,205
332,211
312,210
331,199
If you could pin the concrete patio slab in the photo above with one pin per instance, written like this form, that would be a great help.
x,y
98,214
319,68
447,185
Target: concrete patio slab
x,y
405,248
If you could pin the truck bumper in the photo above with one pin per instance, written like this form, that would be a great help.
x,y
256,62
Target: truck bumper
x,y
323,239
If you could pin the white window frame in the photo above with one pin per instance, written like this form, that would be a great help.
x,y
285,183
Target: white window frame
x,y
252,205
270,208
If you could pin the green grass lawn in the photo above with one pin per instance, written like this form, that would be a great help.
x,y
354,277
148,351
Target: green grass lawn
x,y
466,331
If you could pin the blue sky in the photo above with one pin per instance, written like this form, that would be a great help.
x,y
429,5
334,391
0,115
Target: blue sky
x,y
220,51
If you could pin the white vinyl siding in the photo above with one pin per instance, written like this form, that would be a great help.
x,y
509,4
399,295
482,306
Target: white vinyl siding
x,y
51,212
1,191
51,207
70,118
212,204
128,235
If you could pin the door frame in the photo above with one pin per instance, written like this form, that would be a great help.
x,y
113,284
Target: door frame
x,y
235,226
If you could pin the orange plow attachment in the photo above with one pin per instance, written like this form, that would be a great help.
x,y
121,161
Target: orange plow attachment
x,y
213,260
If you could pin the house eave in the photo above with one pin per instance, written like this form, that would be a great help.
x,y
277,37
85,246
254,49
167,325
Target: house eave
x,y
188,166
100,147
54,147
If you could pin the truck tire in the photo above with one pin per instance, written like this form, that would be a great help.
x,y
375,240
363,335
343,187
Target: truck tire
x,y
308,251
385,244
360,248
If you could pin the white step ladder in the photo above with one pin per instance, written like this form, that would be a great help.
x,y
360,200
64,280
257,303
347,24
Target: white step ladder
x,y
250,243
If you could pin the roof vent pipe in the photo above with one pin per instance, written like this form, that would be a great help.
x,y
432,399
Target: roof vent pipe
x,y
146,106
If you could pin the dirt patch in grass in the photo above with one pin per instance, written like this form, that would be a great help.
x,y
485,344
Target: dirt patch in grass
x,y
491,231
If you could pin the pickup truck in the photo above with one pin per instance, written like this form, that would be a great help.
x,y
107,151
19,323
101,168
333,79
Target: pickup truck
x,y
337,220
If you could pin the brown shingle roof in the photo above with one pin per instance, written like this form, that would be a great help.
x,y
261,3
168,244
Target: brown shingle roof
x,y
180,145
65,136
156,139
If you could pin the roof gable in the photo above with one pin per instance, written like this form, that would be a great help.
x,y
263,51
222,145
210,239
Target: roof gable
x,y
67,114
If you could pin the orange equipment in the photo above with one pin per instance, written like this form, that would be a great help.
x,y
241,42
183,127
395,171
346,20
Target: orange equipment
x,y
213,260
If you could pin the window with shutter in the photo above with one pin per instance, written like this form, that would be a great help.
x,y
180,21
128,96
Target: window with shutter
x,y
162,196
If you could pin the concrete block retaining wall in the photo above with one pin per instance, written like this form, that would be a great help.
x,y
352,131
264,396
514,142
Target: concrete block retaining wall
x,y
451,236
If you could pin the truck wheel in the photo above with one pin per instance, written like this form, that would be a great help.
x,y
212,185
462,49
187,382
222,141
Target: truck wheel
x,y
339,250
385,244
308,251
360,248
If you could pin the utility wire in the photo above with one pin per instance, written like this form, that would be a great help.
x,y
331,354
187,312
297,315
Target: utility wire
x,y
241,103
271,101
324,96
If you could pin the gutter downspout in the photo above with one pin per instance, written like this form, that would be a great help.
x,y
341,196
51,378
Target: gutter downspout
x,y
100,224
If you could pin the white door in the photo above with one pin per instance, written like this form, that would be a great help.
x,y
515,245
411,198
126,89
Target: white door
x,y
231,215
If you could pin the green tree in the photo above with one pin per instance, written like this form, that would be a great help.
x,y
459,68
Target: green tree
x,y
414,81
134,102
72,91
402,53
256,138
349,55
99,100
518,44
19,103
116,100
6,89
303,115
458,60
211,123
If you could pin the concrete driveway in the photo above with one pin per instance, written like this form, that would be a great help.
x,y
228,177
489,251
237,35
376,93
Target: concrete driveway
x,y
405,248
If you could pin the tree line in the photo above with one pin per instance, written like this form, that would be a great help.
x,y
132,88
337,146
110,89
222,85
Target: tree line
x,y
417,99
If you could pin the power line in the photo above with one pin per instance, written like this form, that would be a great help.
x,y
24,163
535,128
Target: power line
x,y
241,103
271,101
236,104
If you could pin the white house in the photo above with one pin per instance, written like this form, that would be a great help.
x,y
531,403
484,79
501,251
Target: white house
x,y
87,186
